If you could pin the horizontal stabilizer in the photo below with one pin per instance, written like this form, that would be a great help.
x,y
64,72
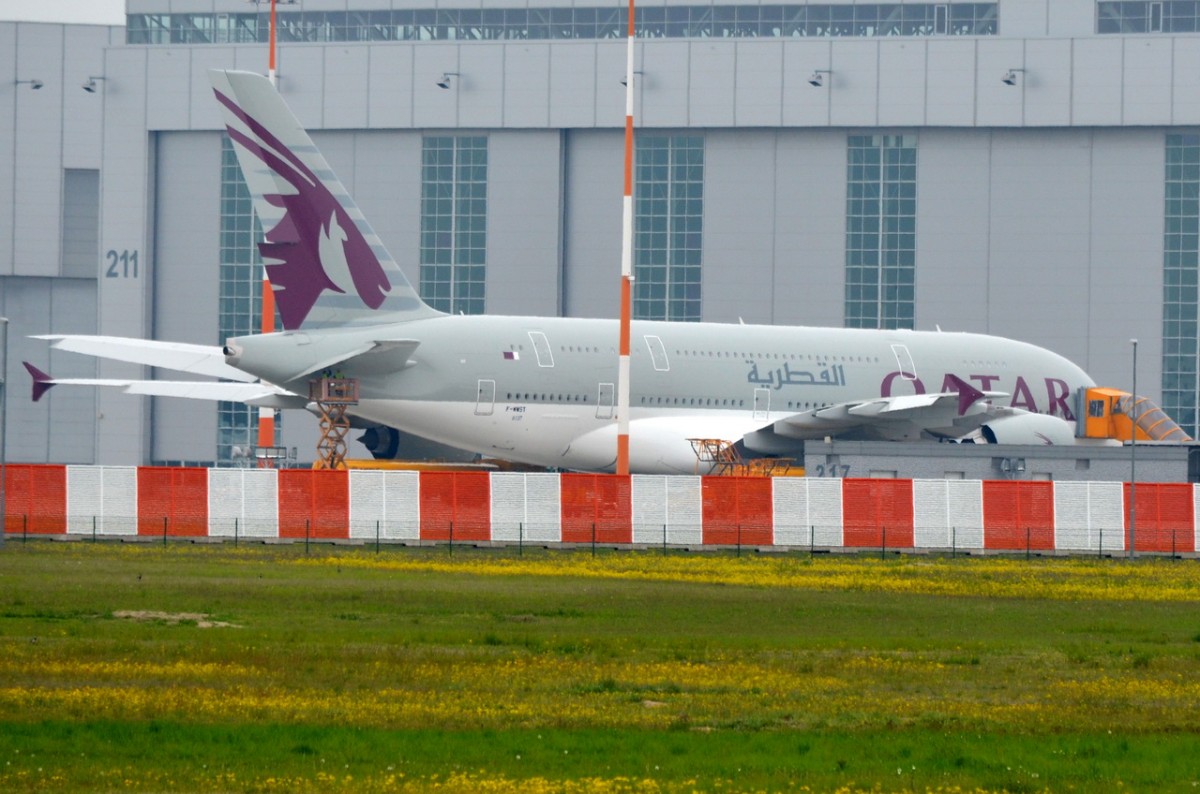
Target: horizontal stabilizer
x,y
178,356
250,393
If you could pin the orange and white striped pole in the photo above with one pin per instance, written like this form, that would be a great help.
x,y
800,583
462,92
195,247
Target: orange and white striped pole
x,y
271,48
626,265
266,416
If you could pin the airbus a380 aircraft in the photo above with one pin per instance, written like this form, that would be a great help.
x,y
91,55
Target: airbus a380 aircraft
x,y
541,390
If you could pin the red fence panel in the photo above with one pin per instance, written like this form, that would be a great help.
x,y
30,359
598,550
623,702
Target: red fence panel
x,y
320,497
1018,515
737,510
173,500
1165,517
458,502
596,507
877,513
35,499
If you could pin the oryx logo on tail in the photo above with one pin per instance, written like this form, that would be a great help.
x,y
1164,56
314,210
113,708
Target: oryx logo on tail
x,y
315,246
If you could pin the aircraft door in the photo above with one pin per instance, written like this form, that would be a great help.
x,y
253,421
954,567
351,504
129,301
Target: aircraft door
x,y
904,360
541,348
485,400
762,404
604,401
658,353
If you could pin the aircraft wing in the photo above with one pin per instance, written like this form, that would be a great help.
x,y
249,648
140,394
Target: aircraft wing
x,y
179,356
947,414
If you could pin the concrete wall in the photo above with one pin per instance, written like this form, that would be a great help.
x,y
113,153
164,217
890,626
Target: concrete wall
x,y
51,139
61,428
841,459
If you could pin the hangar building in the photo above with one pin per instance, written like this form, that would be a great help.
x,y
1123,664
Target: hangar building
x,y
1028,168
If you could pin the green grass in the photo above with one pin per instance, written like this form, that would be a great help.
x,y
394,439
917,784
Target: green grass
x,y
408,670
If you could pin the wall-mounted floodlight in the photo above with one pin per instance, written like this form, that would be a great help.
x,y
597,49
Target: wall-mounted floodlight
x,y
818,77
624,79
445,81
33,84
90,84
1011,76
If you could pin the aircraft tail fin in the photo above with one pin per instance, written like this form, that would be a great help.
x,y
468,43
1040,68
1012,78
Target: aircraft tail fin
x,y
326,265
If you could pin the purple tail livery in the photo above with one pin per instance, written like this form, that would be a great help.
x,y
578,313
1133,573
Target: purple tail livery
x,y
325,264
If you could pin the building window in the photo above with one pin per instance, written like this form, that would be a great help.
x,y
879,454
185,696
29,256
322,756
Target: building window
x,y
454,222
668,226
881,231
1181,254
80,222
1147,16
240,303
794,20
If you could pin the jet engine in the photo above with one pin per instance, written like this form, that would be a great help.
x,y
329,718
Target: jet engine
x,y
381,441
388,443
1029,428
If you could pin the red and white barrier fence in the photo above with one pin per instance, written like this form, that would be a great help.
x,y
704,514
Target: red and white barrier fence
x,y
608,509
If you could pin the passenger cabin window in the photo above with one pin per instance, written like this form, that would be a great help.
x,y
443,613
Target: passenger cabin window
x,y
658,354
541,348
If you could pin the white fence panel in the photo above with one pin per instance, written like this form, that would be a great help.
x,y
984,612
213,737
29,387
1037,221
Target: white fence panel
x,y
789,502
105,494
526,507
648,507
1088,516
543,508
244,502
385,504
816,508
367,500
1196,516
667,509
508,505
948,514
85,487
400,516
1107,507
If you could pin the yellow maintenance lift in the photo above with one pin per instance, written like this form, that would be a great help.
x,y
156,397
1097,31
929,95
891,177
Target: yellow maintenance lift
x,y
715,456
333,395
1110,413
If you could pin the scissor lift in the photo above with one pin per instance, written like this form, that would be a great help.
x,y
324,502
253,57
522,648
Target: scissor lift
x,y
332,396
718,457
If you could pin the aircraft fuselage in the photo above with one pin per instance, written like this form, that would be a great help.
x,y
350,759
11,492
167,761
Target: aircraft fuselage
x,y
542,390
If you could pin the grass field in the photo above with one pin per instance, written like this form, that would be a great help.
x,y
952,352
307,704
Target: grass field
x,y
347,670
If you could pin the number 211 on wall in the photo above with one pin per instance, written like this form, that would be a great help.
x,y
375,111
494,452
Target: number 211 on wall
x,y
122,264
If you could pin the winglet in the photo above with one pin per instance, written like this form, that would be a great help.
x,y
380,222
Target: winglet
x,y
968,395
42,382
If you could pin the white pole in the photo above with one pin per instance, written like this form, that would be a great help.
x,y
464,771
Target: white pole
x,y
1133,459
